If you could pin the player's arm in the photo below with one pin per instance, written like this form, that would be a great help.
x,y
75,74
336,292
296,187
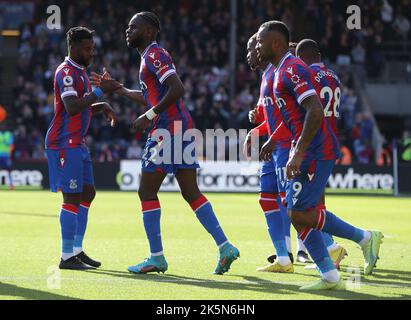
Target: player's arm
x,y
133,95
268,148
106,109
75,105
312,122
175,90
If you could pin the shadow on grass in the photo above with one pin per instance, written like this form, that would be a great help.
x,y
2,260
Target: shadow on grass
x,y
251,283
7,289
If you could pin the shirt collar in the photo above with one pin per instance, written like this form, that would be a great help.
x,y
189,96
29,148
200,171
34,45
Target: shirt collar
x,y
148,48
317,64
280,64
69,60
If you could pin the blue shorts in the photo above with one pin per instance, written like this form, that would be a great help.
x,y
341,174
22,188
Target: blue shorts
x,y
5,162
167,157
70,169
304,191
268,177
281,159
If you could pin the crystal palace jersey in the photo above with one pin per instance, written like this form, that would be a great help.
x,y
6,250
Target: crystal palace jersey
x,y
67,131
272,114
328,87
155,67
293,84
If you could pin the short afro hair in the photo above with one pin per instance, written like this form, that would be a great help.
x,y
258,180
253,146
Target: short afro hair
x,y
307,45
278,26
150,18
77,34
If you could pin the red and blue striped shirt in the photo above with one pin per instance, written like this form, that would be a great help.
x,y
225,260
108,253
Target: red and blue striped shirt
x,y
292,85
67,131
155,67
328,87
272,114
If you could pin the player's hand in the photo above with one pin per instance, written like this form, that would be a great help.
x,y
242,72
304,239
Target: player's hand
x,y
252,115
95,79
109,114
141,123
267,150
294,164
109,86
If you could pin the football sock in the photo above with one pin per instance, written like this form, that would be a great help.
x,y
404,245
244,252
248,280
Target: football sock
x,y
286,224
205,214
300,245
68,225
82,218
151,220
313,240
328,222
274,219
328,239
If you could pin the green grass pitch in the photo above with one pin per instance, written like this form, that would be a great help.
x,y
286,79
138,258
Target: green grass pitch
x,y
30,249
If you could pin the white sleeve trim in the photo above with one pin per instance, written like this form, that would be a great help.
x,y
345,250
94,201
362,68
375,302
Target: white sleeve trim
x,y
166,75
306,94
68,93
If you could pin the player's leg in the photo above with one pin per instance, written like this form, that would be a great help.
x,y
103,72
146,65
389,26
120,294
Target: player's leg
x,y
65,172
187,180
303,195
269,205
150,184
87,196
337,252
280,160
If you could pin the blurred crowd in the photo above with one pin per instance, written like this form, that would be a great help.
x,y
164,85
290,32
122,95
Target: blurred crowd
x,y
196,33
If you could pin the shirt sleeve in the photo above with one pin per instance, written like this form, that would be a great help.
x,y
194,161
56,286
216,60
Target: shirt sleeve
x,y
298,81
260,115
66,81
160,63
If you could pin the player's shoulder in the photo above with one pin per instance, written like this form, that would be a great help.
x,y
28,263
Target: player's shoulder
x,y
65,69
156,52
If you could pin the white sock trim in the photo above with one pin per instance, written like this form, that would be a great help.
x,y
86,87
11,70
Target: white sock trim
x,y
65,256
157,254
282,260
223,244
333,247
331,276
77,250
367,237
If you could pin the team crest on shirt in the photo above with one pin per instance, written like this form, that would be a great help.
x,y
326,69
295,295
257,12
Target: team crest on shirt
x,y
295,78
290,70
62,161
66,70
73,184
152,55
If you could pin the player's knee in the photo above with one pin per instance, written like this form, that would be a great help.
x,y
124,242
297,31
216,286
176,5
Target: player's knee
x,y
146,195
72,198
190,195
268,201
88,194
